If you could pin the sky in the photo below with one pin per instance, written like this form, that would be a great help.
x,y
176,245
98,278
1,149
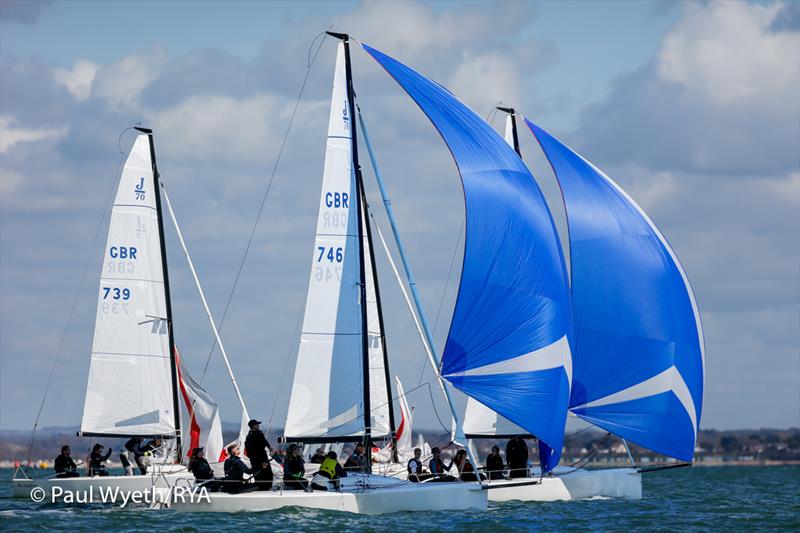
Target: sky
x,y
692,107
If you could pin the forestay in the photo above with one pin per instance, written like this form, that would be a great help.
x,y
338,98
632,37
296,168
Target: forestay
x,y
638,352
325,401
130,377
508,342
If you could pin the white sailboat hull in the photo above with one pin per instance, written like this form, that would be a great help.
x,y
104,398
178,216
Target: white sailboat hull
x,y
565,484
116,486
360,494
577,484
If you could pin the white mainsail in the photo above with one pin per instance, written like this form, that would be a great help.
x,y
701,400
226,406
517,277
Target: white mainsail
x,y
326,398
130,389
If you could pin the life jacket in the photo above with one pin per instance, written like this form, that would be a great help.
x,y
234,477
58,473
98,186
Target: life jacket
x,y
328,468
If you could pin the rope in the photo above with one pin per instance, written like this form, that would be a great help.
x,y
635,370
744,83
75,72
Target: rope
x,y
283,372
444,293
309,65
77,295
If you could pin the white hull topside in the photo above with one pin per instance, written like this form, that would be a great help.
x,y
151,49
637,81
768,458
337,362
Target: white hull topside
x,y
382,495
22,487
565,484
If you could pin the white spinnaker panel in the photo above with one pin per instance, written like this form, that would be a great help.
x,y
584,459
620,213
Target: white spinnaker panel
x,y
379,399
327,398
130,376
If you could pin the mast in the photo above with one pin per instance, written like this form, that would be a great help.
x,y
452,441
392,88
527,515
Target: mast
x,y
362,267
379,307
512,115
427,334
173,363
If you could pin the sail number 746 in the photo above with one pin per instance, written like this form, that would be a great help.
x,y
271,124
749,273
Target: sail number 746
x,y
330,253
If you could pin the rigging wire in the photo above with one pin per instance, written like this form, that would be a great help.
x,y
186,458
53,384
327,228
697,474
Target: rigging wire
x,y
77,293
309,64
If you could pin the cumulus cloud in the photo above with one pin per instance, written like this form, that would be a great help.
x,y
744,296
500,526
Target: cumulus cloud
x,y
722,96
10,134
707,138
77,80
121,84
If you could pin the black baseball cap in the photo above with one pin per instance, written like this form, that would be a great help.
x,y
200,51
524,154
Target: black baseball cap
x,y
253,422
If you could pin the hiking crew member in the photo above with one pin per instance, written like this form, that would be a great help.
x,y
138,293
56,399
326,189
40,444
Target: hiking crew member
x,y
97,461
64,465
330,471
357,461
256,446
294,470
318,456
415,471
465,469
199,467
494,464
235,469
134,448
517,457
438,468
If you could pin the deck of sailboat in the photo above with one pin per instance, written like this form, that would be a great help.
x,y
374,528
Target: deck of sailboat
x,y
360,493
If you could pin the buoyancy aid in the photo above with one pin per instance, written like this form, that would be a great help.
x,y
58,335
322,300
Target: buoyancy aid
x,y
328,468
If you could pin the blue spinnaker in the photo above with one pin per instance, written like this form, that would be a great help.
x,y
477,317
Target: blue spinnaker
x,y
508,345
638,354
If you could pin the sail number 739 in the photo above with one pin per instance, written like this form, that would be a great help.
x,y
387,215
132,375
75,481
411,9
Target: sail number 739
x,y
115,293
333,255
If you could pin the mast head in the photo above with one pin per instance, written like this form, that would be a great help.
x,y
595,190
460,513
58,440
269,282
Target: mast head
x,y
509,110
341,36
148,131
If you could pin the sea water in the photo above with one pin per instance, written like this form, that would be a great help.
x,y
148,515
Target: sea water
x,y
685,499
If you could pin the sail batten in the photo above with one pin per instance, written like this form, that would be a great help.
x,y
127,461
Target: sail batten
x,y
513,297
639,359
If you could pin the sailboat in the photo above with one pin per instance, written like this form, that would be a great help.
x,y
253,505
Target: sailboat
x,y
638,358
136,376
